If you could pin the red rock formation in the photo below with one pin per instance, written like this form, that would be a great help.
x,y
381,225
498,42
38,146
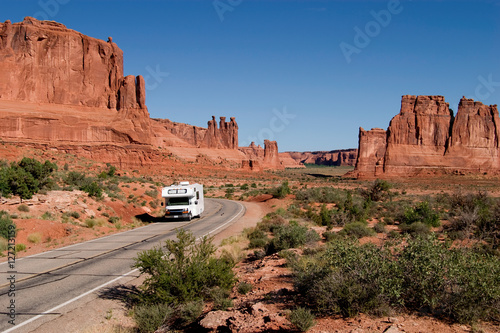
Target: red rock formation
x,y
288,162
425,138
271,157
64,90
344,157
371,152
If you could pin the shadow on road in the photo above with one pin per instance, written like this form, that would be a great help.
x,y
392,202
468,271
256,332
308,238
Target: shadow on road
x,y
128,295
150,219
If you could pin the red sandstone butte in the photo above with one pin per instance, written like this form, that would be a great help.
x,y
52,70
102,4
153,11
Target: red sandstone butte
x,y
425,138
64,90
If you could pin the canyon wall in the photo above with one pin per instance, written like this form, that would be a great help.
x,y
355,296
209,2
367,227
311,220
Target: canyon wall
x,y
425,138
64,90
343,157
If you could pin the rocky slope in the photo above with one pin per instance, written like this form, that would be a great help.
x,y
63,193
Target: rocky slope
x,y
64,90
425,138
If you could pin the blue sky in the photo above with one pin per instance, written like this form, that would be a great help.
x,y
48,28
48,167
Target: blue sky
x,y
305,73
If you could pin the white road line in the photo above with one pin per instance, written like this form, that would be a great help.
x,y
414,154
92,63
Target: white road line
x,y
67,302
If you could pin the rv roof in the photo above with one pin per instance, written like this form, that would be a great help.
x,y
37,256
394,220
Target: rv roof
x,y
184,183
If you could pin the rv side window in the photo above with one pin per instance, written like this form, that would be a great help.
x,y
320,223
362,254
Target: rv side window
x,y
197,194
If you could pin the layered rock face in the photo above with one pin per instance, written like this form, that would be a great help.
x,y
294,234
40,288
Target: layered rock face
x,y
64,90
262,158
215,137
44,63
343,157
425,138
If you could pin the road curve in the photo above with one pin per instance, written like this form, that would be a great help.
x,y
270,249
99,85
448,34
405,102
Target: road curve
x,y
45,284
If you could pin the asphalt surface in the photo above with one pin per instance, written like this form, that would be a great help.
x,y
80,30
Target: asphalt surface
x,y
45,285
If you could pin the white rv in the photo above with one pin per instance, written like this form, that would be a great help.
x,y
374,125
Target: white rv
x,y
183,200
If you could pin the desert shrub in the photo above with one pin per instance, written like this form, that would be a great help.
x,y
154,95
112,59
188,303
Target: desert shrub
x,y
418,273
20,247
378,191
182,270
47,216
302,319
244,187
23,208
190,311
75,215
244,288
220,298
35,238
290,236
415,229
90,223
379,227
330,235
149,317
349,278
93,190
114,219
322,195
258,239
7,226
281,191
4,244
357,229
422,212
258,243
273,221
75,178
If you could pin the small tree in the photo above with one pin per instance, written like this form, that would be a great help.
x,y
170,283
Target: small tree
x,y
182,270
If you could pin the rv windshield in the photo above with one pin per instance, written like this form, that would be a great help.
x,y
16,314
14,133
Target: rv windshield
x,y
178,201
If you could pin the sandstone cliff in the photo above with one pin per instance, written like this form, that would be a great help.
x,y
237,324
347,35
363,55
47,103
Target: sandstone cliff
x,y
262,158
343,157
426,138
64,90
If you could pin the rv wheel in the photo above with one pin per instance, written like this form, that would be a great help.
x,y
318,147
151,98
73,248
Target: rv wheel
x,y
189,217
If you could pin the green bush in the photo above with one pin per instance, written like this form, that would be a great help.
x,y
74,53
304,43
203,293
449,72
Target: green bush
x,y
7,226
20,247
244,288
415,229
183,270
379,227
422,212
93,189
23,208
281,191
35,238
417,273
357,229
302,319
190,311
221,299
149,317
378,191
290,236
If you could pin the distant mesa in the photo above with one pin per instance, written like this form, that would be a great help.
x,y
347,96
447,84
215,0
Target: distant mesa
x,y
61,89
426,139
341,157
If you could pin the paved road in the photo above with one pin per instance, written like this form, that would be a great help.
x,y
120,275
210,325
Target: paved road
x,y
47,283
